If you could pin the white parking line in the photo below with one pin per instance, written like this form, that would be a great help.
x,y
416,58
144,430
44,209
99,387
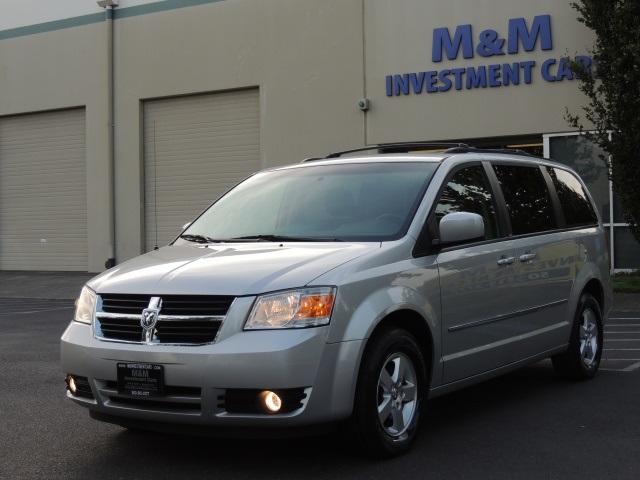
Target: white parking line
x,y
622,359
621,329
633,367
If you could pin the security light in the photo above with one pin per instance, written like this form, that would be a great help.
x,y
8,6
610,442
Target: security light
x,y
108,3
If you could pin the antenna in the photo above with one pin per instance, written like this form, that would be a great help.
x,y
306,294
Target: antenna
x,y
155,184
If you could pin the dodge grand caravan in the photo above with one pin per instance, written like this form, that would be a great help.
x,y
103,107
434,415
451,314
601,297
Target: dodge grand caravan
x,y
346,291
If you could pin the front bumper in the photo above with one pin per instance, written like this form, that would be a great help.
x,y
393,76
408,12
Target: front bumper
x,y
197,378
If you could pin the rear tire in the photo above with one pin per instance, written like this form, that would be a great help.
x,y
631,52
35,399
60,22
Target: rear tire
x,y
582,358
389,393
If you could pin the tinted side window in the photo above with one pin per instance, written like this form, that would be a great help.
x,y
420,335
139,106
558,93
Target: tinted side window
x,y
525,193
576,206
468,191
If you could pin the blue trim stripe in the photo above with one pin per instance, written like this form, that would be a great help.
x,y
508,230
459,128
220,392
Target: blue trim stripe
x,y
159,7
100,17
52,26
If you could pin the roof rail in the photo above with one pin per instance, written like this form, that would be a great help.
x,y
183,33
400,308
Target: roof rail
x,y
468,149
451,149
405,146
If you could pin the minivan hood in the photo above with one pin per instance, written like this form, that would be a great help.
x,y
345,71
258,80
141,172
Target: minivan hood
x,y
227,269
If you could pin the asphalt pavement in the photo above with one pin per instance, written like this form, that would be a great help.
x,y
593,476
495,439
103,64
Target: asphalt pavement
x,y
525,425
43,285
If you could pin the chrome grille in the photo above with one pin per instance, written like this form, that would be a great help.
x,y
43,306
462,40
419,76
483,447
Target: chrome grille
x,y
124,303
120,328
182,319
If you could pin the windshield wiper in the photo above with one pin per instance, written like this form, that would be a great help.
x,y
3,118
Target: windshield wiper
x,y
285,238
196,237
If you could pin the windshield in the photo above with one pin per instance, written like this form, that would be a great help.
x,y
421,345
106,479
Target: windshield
x,y
346,202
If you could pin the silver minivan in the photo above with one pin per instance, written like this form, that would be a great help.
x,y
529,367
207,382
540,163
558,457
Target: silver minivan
x,y
343,293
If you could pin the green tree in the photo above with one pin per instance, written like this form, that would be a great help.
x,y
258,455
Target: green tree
x,y
614,95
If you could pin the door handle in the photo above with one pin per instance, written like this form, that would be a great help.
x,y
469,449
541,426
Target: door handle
x,y
504,260
525,257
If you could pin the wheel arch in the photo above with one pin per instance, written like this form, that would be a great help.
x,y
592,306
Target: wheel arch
x,y
416,325
581,359
596,290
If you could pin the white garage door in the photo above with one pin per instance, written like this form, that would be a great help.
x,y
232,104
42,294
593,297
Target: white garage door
x,y
43,201
195,149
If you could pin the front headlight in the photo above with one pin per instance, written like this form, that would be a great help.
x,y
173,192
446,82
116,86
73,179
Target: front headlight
x,y
307,307
85,306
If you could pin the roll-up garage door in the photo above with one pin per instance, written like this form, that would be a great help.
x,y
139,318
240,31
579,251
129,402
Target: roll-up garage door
x,y
195,149
43,200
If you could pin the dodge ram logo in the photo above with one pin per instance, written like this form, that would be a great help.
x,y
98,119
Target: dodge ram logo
x,y
149,318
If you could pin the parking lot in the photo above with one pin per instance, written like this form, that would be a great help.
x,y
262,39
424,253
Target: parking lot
x,y
622,343
527,424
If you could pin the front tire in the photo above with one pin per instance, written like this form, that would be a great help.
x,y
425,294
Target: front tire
x,y
389,393
582,358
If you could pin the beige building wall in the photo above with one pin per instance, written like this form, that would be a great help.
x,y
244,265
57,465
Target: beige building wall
x,y
399,39
305,56
311,61
58,70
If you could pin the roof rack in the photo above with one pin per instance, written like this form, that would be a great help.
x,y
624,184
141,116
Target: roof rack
x,y
451,149
404,146
469,149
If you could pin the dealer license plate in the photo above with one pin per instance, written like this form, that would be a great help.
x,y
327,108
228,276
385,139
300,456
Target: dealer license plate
x,y
140,379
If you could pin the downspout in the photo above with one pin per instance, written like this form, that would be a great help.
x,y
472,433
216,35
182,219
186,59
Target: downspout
x,y
365,120
111,247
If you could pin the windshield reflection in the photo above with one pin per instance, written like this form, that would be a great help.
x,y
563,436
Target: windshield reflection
x,y
345,202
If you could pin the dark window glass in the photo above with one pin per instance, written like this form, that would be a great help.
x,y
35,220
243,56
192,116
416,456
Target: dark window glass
x,y
576,206
468,191
525,193
626,248
617,209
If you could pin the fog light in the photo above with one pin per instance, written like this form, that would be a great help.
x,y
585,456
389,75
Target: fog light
x,y
71,385
271,401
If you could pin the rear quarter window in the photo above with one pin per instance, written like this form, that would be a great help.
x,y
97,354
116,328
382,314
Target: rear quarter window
x,y
576,207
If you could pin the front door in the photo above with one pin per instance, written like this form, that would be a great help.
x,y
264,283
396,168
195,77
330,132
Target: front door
x,y
478,283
